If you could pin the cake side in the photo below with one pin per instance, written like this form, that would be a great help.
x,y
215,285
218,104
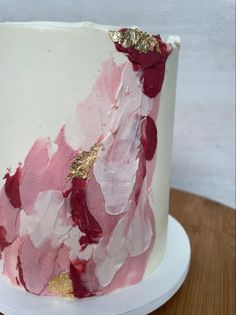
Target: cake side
x,y
159,194
79,200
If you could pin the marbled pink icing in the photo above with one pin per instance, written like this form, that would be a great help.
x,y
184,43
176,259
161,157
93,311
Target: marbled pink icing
x,y
9,218
45,170
96,108
100,230
117,165
10,257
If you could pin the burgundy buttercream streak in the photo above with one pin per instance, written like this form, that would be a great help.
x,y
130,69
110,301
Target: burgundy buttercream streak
x,y
81,214
83,197
151,64
152,67
3,241
12,187
149,137
77,270
21,276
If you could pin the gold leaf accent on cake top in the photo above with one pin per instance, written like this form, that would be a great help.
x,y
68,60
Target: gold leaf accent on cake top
x,y
135,38
82,164
61,285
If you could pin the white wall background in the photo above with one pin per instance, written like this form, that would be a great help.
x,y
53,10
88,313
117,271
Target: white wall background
x,y
204,141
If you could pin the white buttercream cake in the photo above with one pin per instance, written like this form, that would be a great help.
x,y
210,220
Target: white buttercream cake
x,y
86,124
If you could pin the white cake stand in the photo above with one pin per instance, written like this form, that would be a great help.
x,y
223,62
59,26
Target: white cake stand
x,y
140,299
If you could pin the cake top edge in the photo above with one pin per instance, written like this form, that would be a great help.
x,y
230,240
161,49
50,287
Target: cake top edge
x,y
55,24
172,39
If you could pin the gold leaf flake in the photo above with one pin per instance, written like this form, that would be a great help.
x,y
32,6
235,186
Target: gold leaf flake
x,y
83,163
61,285
135,38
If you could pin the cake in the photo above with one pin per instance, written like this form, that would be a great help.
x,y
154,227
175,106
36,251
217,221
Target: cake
x,y
86,124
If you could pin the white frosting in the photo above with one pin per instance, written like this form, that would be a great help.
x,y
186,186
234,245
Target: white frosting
x,y
108,262
116,174
140,233
41,82
117,240
44,223
72,243
124,244
159,196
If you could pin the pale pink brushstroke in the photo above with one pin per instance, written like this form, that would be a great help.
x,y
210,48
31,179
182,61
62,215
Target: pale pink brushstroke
x,y
10,257
44,170
9,217
37,264
91,120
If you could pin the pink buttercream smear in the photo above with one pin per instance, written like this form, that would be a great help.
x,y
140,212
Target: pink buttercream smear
x,y
99,230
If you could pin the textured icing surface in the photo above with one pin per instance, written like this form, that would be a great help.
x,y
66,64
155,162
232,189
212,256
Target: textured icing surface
x,y
99,230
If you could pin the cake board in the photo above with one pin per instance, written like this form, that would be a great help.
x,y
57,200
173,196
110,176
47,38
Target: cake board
x,y
139,299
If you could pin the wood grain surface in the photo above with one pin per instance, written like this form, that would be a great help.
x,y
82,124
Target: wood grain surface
x,y
210,285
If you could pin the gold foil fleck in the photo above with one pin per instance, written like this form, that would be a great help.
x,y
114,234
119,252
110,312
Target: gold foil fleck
x,y
135,38
61,285
83,163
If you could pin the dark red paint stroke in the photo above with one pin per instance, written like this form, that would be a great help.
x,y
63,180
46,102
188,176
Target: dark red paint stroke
x,y
3,242
21,277
85,241
149,137
12,188
81,214
66,193
142,171
151,64
76,273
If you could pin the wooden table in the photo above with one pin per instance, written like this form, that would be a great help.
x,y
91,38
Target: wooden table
x,y
210,285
